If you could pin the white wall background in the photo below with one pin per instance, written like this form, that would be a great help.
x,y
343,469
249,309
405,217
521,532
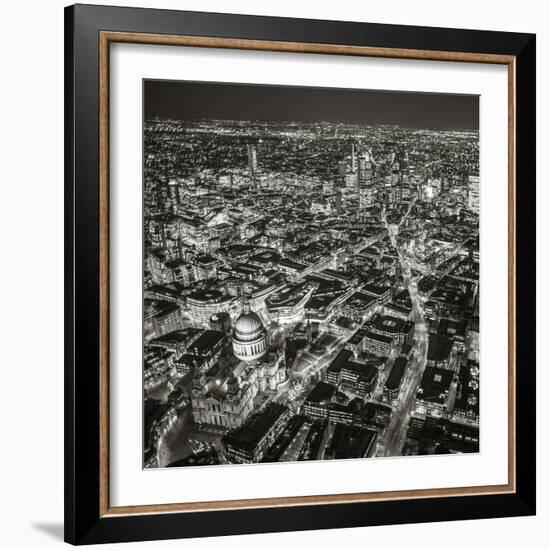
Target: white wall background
x,y
31,274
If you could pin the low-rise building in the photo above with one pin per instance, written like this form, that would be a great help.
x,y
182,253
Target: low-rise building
x,y
455,331
383,294
393,383
202,304
349,375
440,350
158,367
433,394
350,442
378,344
439,435
466,405
221,322
318,401
396,328
166,318
202,354
249,442
287,305
359,306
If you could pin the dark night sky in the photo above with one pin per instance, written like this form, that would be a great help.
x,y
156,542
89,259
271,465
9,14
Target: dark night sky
x,y
198,100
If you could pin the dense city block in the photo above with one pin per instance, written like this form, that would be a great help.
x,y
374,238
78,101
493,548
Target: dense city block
x,y
310,292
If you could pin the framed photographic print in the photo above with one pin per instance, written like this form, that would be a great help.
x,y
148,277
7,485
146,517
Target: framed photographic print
x,y
299,274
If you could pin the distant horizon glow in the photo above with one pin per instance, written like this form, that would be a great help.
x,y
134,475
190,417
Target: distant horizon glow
x,y
195,101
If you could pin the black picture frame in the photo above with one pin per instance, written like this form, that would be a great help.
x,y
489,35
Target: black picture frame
x,y
84,524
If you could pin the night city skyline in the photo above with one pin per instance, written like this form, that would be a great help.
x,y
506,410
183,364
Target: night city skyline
x,y
269,103
311,281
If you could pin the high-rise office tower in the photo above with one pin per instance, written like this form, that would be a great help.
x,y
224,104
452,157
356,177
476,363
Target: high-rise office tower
x,y
365,187
353,158
252,161
473,193
173,192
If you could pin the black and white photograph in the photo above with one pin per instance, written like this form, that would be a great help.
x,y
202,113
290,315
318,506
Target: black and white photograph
x,y
311,274
286,265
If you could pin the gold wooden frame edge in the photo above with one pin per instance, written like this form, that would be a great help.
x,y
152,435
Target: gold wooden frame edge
x,y
108,37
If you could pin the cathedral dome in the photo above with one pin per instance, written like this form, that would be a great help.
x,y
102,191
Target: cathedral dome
x,y
248,326
249,336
